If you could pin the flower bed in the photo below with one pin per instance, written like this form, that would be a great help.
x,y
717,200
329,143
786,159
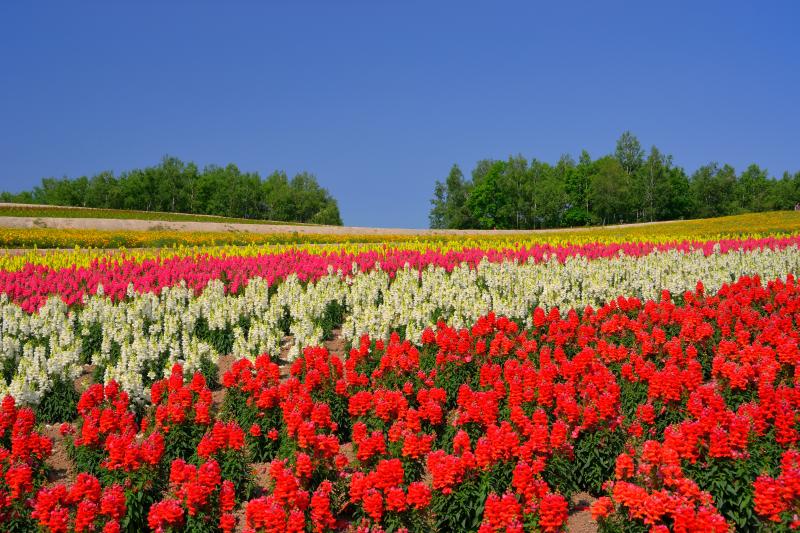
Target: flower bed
x,y
30,286
679,412
750,224
144,317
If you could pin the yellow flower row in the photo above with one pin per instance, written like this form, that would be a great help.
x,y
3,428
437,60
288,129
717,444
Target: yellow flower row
x,y
84,246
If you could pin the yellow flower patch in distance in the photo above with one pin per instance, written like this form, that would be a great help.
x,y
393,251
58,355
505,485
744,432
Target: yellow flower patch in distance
x,y
60,248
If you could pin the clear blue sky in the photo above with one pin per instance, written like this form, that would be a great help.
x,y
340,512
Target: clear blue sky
x,y
380,100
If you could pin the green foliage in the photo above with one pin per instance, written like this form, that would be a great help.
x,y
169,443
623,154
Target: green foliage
x,y
85,458
560,474
181,441
410,519
609,190
219,339
450,202
483,201
630,185
260,448
593,460
452,376
59,403
596,456
462,509
632,394
174,186
730,481
235,467
339,410
200,523
210,372
9,368
20,521
331,319
20,209
91,342
138,500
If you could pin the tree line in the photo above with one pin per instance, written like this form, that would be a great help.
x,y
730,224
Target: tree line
x,y
626,186
179,187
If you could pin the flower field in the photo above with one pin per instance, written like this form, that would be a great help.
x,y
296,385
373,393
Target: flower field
x,y
774,223
464,385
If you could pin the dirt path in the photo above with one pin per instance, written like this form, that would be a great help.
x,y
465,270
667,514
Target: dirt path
x,y
113,224
580,518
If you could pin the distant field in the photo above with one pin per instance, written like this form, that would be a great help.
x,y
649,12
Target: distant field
x,y
55,211
29,233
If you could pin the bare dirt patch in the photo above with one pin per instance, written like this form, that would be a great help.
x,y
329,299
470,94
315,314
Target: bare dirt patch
x,y
60,467
145,225
85,379
580,519
261,475
337,345
283,358
224,364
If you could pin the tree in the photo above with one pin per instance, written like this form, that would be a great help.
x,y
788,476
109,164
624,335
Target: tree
x,y
449,202
650,183
550,194
713,189
753,189
99,190
785,193
675,199
437,215
175,186
308,198
513,194
484,199
532,199
578,191
275,192
171,186
192,186
457,213
609,190
629,153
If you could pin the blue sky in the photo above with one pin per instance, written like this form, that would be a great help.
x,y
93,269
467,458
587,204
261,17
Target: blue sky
x,y
379,99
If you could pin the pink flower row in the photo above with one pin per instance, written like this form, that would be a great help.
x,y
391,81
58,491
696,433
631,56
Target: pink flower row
x,y
30,286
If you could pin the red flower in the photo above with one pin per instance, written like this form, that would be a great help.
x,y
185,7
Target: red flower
x,y
373,504
552,512
602,507
419,495
165,514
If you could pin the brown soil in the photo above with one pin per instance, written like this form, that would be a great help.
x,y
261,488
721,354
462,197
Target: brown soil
x,y
240,519
217,397
337,345
580,519
84,381
261,472
60,467
113,224
346,449
224,364
283,357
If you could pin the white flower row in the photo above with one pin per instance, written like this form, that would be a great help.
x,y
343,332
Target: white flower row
x,y
141,337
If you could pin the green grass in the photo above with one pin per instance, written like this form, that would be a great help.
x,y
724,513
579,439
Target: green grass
x,y
55,211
